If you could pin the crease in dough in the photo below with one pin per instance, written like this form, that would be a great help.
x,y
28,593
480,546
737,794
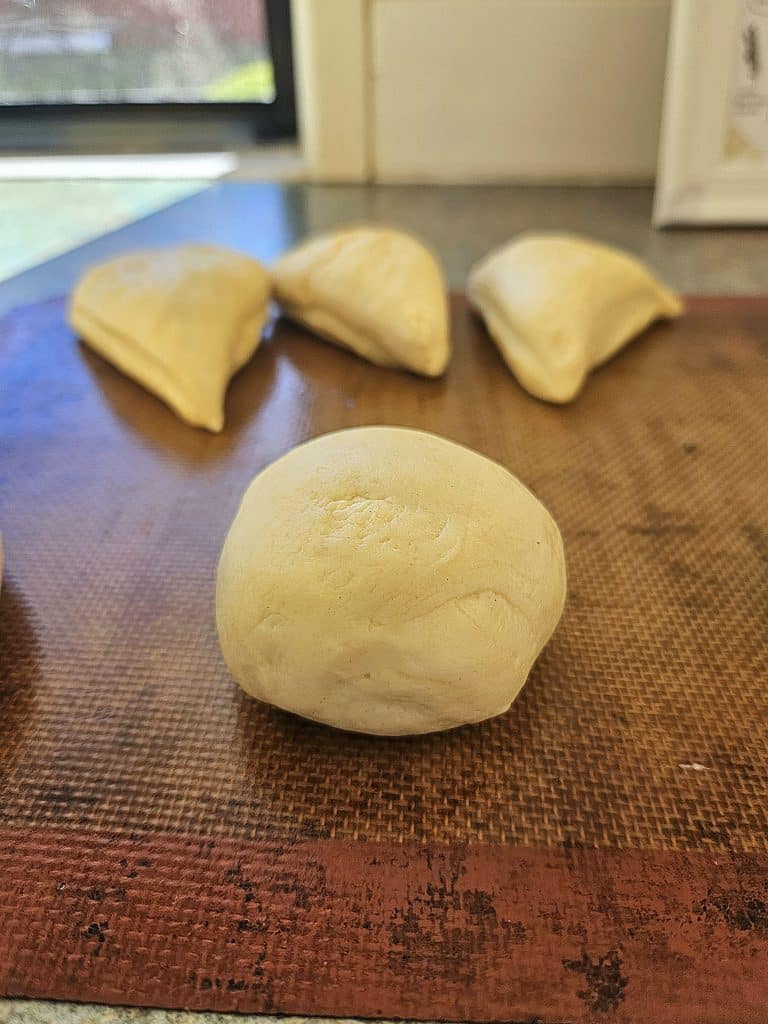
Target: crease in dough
x,y
376,291
180,321
558,306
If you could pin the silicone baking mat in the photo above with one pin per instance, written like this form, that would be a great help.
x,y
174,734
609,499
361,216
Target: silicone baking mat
x,y
599,852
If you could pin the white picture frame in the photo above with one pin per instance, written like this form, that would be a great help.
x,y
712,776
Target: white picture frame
x,y
698,181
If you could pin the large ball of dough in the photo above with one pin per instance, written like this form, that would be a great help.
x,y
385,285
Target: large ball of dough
x,y
388,581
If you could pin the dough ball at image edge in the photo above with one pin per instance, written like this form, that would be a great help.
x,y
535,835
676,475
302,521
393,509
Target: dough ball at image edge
x,y
374,290
388,581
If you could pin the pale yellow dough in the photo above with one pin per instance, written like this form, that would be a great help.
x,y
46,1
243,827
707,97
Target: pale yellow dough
x,y
373,290
180,321
558,305
388,581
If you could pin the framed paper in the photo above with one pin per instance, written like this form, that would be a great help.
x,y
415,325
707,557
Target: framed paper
x,y
713,159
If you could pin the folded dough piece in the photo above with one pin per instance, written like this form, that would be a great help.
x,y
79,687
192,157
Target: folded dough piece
x,y
374,290
558,305
180,321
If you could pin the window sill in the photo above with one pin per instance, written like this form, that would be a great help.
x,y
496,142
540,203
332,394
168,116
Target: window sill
x,y
262,162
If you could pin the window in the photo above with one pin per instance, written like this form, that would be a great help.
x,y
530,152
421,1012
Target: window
x,y
122,75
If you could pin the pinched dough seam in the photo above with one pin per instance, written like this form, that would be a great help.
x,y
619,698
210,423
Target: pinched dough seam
x,y
169,388
304,315
143,358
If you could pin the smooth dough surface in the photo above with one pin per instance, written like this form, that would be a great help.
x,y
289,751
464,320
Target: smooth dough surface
x,y
180,321
376,291
388,581
558,305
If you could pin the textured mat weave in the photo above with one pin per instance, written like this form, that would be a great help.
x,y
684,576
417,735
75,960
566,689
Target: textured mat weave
x,y
164,840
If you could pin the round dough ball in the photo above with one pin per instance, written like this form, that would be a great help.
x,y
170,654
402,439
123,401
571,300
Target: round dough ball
x,y
388,581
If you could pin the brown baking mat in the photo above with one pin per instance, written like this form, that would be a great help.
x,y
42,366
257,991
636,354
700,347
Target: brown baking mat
x,y
600,852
